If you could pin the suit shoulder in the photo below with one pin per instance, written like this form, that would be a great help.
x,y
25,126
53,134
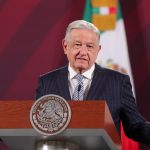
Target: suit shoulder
x,y
114,72
54,73
111,72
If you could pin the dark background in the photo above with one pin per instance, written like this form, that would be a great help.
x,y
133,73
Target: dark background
x,y
30,44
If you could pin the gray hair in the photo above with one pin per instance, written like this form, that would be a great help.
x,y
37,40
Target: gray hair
x,y
81,24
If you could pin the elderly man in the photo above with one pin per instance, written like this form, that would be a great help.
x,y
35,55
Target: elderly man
x,y
83,79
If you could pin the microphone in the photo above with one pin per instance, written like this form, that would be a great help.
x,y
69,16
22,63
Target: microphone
x,y
79,87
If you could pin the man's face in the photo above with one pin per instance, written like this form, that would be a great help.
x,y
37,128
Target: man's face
x,y
81,49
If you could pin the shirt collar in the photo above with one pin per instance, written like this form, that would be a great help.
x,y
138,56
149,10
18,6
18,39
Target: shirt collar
x,y
88,74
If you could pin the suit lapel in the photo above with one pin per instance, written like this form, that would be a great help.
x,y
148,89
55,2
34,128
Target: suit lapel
x,y
97,84
63,84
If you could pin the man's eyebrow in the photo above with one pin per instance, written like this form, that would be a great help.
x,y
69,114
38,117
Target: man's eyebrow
x,y
90,43
77,41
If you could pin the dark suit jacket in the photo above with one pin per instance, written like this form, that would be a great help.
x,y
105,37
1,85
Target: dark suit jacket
x,y
108,85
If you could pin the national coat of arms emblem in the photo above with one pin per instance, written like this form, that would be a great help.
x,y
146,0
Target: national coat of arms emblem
x,y
50,115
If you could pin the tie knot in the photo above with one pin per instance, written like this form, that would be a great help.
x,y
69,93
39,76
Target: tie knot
x,y
79,77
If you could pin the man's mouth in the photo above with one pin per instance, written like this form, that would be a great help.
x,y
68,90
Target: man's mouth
x,y
82,59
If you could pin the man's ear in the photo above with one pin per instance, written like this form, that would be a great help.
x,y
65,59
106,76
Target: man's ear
x,y
64,45
99,48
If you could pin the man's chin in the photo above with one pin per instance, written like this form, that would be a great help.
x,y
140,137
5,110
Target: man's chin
x,y
81,68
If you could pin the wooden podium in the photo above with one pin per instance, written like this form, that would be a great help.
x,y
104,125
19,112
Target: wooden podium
x,y
91,126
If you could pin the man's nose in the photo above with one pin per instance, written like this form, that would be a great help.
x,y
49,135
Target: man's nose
x,y
83,49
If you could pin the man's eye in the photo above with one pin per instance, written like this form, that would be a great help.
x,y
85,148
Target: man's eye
x,y
90,46
77,45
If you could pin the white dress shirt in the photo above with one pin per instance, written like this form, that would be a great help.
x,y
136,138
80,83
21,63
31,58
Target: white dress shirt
x,y
88,75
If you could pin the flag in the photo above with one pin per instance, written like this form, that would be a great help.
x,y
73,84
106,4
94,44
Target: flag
x,y
106,15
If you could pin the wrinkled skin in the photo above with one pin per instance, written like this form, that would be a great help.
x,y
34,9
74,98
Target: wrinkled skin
x,y
81,49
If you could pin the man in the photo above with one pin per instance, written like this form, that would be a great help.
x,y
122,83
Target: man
x,y
83,79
